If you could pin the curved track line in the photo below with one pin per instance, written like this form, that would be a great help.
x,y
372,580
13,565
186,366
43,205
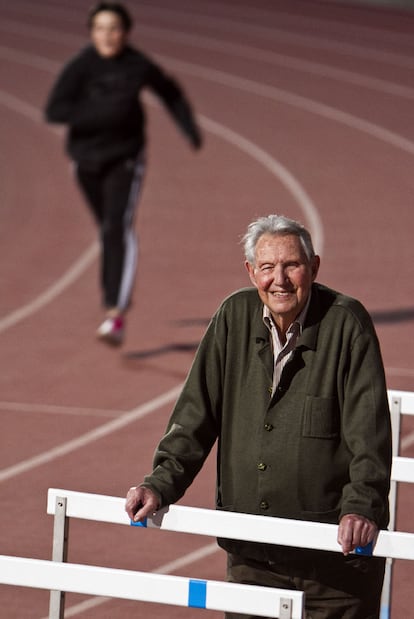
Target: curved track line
x,y
277,169
89,437
167,568
18,105
223,24
298,101
282,60
53,409
203,42
41,32
317,22
33,60
247,85
251,11
265,32
67,279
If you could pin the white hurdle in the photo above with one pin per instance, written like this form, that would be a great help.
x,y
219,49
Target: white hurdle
x,y
64,504
402,469
199,521
142,586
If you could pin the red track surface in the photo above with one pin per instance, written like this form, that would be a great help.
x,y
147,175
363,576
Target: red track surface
x,y
308,110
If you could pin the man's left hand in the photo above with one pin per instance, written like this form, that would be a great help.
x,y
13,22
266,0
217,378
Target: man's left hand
x,y
355,531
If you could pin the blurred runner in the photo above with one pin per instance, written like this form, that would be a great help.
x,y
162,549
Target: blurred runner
x,y
97,96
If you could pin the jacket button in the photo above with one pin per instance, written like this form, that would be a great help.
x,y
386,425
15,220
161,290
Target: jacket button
x,y
264,505
268,427
262,466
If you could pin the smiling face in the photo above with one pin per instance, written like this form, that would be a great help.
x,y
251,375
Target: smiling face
x,y
108,34
283,276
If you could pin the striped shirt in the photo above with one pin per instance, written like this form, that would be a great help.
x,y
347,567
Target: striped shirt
x,y
282,352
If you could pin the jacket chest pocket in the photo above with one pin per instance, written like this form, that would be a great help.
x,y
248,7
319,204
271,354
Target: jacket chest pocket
x,y
320,417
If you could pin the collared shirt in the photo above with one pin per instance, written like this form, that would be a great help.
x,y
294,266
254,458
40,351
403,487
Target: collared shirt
x,y
283,352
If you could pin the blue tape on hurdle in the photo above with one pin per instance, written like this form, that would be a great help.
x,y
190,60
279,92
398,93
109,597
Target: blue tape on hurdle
x,y
197,593
364,550
142,523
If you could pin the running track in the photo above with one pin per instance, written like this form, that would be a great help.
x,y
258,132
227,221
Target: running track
x,y
307,109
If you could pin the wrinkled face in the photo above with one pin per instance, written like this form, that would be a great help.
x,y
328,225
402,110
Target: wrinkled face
x,y
283,276
108,34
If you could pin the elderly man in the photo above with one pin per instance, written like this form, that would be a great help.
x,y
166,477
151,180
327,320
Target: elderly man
x,y
289,379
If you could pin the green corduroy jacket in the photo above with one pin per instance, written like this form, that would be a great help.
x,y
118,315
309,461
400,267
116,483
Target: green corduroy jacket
x,y
318,449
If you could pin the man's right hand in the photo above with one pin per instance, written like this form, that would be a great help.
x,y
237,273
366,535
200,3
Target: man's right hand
x,y
140,502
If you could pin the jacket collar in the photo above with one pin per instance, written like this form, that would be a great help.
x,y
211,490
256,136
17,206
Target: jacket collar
x,y
309,335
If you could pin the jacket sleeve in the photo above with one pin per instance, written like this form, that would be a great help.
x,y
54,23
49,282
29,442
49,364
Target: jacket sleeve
x,y
64,96
366,430
173,97
193,426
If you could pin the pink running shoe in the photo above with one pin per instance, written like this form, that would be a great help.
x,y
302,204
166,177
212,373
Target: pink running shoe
x,y
112,331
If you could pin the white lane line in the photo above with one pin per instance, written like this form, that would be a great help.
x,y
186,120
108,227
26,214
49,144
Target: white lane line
x,y
25,407
78,267
203,42
167,568
246,85
11,26
304,103
66,280
106,429
192,557
93,435
283,60
228,23
257,88
287,179
18,105
223,26
263,33
35,61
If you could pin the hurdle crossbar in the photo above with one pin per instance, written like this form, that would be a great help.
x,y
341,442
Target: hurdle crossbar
x,y
147,587
262,529
406,399
402,469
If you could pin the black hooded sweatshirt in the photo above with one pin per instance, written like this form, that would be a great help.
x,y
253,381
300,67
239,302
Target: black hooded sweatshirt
x,y
99,99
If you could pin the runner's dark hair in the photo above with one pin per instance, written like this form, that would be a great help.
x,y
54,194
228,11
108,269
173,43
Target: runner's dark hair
x,y
113,7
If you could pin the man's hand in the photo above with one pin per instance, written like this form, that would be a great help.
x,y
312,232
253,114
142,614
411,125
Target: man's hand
x,y
140,502
355,531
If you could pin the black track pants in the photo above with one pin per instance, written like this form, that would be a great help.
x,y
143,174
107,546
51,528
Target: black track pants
x,y
112,195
